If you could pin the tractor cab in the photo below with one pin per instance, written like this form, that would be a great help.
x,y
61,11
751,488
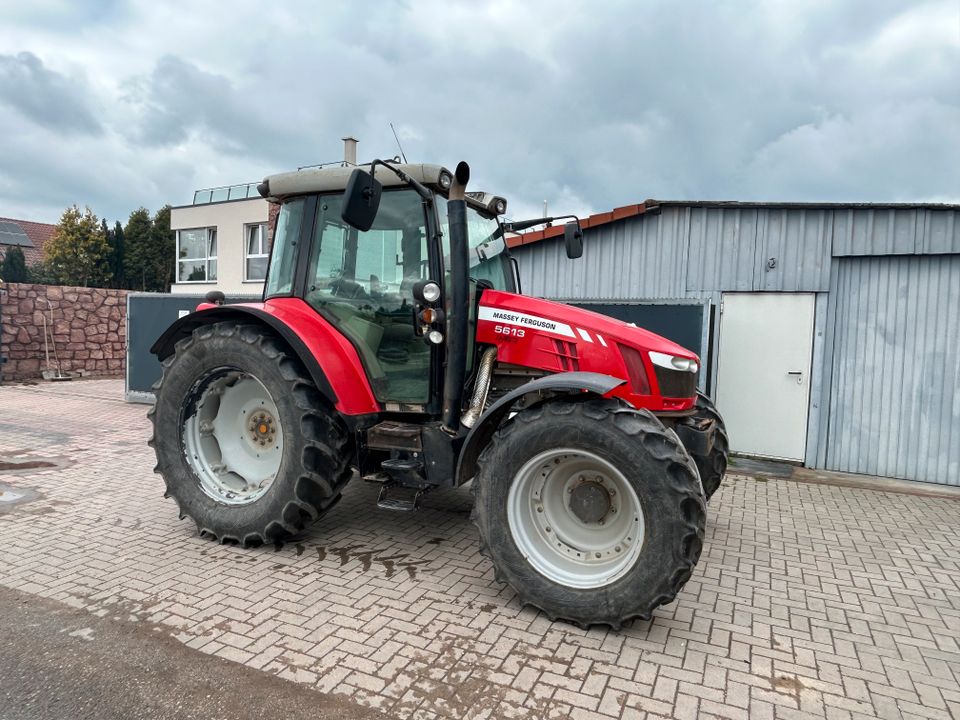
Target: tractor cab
x,y
363,281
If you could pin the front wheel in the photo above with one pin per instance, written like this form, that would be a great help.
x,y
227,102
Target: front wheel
x,y
713,466
590,510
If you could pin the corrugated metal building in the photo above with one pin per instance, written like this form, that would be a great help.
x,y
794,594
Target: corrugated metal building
x,y
833,326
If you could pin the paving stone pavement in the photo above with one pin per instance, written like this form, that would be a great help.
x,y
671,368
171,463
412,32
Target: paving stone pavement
x,y
809,600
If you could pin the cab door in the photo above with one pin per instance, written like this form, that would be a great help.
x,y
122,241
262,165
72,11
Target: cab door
x,y
362,283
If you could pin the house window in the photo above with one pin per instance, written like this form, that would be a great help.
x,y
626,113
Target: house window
x,y
257,253
197,255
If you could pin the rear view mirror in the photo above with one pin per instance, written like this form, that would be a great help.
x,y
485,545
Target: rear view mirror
x,y
573,239
361,199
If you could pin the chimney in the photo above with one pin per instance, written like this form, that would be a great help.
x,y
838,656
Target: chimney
x,y
349,150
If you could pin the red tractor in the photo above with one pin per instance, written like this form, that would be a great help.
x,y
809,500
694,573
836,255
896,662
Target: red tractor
x,y
392,343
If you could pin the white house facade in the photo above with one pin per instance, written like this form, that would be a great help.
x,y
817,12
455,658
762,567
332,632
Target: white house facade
x,y
221,242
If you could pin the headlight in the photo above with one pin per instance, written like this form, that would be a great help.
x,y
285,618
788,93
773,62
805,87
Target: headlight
x,y
426,291
445,180
673,362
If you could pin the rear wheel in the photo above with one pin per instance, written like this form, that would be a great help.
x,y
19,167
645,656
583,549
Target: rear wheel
x,y
712,466
590,510
244,441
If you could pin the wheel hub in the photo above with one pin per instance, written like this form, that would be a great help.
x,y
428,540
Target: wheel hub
x,y
590,502
262,429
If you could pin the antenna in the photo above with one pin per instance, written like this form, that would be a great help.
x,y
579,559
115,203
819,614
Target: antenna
x,y
402,154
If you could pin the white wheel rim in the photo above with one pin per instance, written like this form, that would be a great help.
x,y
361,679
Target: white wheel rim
x,y
233,441
559,543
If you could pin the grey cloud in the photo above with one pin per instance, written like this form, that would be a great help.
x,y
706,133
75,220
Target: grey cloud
x,y
49,98
595,105
178,98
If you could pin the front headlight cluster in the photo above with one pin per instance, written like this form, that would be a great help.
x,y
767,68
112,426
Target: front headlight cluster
x,y
673,362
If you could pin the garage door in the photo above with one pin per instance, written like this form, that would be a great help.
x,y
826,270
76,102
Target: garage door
x,y
894,398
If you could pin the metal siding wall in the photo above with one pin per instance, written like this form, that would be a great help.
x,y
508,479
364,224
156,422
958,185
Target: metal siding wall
x,y
627,260
895,231
722,248
800,241
894,399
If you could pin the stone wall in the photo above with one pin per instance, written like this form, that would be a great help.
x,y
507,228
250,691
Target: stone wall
x,y
88,330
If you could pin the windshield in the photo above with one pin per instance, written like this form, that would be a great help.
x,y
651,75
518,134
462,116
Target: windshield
x,y
488,257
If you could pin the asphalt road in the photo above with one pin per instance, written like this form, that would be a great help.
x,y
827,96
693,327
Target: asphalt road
x,y
58,662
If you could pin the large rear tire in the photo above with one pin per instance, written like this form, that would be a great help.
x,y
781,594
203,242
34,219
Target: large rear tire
x,y
246,445
712,466
590,510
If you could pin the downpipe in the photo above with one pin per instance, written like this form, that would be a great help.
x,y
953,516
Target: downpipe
x,y
458,305
481,388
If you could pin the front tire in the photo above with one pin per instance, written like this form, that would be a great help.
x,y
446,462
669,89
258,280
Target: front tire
x,y
713,466
590,510
245,443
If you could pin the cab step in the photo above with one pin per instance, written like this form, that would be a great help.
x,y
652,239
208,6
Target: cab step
x,y
406,504
399,466
390,435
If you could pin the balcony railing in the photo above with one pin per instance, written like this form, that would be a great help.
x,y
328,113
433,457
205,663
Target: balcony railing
x,y
227,192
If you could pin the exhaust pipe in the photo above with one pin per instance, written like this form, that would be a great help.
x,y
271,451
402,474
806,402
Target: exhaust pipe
x,y
480,389
458,305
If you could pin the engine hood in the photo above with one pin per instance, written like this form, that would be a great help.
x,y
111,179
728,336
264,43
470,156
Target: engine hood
x,y
573,323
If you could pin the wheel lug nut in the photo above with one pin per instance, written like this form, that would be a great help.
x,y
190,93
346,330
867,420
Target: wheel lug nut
x,y
617,548
597,555
539,508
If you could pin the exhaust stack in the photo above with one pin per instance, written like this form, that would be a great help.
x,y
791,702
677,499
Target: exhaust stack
x,y
458,303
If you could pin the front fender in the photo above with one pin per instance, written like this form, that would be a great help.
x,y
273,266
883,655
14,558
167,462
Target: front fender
x,y
481,433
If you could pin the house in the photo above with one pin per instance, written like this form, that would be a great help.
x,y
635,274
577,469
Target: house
x,y
29,236
221,242
828,331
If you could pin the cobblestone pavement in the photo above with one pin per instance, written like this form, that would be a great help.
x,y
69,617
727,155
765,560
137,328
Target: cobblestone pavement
x,y
809,600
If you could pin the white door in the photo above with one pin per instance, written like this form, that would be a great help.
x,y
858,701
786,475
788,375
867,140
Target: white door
x,y
763,372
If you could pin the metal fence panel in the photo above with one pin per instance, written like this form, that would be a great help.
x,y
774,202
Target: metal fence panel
x,y
148,315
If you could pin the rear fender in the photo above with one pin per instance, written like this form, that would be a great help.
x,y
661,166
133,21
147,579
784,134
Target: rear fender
x,y
338,377
571,383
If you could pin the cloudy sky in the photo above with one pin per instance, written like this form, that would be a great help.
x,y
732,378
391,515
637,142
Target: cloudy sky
x,y
587,105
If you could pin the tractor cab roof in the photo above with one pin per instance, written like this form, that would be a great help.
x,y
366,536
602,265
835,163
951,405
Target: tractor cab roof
x,y
276,188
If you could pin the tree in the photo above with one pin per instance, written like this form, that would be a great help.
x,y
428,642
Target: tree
x,y
78,253
39,273
137,238
116,257
164,249
14,267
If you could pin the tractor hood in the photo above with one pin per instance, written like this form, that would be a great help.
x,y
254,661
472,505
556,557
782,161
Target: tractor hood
x,y
572,324
658,374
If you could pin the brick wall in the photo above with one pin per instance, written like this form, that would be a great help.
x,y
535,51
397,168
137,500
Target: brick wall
x,y
89,330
